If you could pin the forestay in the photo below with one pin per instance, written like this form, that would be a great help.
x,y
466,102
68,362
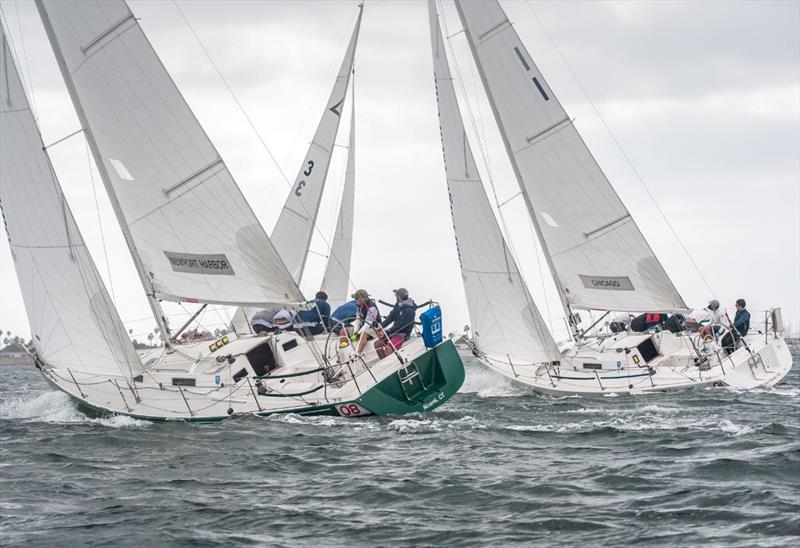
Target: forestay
x,y
600,257
336,280
191,232
505,321
74,324
295,226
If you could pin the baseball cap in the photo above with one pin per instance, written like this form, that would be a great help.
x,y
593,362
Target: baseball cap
x,y
360,294
401,292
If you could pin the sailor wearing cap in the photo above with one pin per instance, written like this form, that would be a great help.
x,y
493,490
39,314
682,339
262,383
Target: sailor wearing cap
x,y
711,314
368,318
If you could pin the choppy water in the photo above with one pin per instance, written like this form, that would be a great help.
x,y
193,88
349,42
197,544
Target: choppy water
x,y
497,465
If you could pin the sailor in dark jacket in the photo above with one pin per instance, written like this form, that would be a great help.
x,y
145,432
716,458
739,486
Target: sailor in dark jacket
x,y
398,325
741,325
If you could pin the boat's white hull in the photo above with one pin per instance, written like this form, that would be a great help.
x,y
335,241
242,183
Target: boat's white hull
x,y
769,362
208,387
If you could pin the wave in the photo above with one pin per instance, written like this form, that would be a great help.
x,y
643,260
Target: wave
x,y
56,408
414,426
485,383
651,423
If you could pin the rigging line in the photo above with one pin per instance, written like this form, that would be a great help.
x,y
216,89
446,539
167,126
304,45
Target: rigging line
x,y
249,120
308,113
619,147
233,95
100,223
504,228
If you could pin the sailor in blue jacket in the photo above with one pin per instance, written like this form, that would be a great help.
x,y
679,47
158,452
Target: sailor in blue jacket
x,y
318,319
741,321
741,325
398,325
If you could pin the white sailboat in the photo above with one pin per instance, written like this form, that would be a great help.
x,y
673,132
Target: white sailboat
x,y
193,238
596,254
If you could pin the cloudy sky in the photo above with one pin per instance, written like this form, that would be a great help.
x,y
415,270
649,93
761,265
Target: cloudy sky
x,y
704,98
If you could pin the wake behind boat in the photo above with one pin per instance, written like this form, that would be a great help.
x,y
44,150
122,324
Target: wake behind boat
x,y
193,238
596,254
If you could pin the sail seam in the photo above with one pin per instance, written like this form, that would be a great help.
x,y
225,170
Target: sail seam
x,y
290,210
315,144
13,110
504,272
68,246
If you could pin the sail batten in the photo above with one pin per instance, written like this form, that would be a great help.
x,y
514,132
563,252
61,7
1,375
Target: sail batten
x,y
295,227
74,324
505,322
596,253
192,234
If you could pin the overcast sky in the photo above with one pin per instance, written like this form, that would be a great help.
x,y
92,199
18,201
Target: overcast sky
x,y
704,98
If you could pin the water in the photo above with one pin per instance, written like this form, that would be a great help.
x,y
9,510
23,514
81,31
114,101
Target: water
x,y
497,465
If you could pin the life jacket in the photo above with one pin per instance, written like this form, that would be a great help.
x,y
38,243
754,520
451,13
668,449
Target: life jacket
x,y
652,318
362,311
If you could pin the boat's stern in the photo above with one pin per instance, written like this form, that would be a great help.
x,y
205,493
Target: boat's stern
x,y
421,384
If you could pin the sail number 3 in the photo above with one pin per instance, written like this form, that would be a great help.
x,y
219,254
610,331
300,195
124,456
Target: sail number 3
x,y
301,183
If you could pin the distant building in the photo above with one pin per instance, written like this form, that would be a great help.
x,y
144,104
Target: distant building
x,y
14,354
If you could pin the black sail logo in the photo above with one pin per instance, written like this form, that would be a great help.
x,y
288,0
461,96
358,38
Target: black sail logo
x,y
612,283
197,263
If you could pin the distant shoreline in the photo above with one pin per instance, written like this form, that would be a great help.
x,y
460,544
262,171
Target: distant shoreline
x,y
15,360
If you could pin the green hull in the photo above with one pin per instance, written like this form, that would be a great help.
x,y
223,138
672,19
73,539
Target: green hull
x,y
440,373
422,385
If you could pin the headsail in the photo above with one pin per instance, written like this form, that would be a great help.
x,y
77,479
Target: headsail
x,y
336,280
74,324
505,321
292,233
191,232
599,256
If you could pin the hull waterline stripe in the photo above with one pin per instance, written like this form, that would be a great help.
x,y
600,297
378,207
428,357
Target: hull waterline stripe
x,y
601,378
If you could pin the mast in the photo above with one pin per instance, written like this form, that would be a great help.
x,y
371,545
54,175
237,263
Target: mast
x,y
518,174
155,305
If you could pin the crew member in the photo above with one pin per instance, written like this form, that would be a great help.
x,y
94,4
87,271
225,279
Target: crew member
x,y
741,325
398,325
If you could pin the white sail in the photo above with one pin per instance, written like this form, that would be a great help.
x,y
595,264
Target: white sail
x,y
505,321
74,324
336,280
191,232
292,233
600,258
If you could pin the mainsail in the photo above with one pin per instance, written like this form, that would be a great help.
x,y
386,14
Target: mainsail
x,y
190,230
597,253
292,233
336,280
505,321
74,324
